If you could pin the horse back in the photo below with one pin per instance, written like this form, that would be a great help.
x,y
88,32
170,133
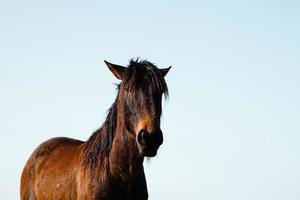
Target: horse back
x,y
51,170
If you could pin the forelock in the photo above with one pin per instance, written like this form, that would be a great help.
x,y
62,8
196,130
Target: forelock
x,y
140,73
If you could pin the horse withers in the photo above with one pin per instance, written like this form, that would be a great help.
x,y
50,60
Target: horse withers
x,y
109,165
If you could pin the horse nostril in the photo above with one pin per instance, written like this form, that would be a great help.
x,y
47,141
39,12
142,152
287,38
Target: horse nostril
x,y
153,139
143,137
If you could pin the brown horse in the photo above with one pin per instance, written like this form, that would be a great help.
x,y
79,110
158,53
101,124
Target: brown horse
x,y
109,165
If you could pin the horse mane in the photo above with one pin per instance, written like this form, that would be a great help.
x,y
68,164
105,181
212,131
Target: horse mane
x,y
99,144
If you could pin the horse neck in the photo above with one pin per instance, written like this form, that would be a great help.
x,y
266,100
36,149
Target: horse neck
x,y
124,157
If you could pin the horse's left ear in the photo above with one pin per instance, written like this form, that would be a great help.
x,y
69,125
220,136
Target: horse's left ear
x,y
117,70
164,71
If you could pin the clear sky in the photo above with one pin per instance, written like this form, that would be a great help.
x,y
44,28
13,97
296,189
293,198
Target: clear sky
x,y
231,124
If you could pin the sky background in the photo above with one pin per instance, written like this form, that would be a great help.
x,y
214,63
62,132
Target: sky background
x,y
231,124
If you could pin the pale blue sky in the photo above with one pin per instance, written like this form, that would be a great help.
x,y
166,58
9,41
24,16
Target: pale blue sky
x,y
232,123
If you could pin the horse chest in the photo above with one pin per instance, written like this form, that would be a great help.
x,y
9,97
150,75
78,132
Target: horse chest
x,y
107,190
126,192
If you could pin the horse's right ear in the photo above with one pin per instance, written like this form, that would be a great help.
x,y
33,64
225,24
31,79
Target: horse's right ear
x,y
117,70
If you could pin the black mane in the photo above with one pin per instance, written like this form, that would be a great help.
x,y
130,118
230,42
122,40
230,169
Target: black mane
x,y
100,142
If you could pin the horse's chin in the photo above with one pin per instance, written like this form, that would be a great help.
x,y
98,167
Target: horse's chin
x,y
148,152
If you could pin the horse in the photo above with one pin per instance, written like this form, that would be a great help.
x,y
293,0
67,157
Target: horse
x,y
109,165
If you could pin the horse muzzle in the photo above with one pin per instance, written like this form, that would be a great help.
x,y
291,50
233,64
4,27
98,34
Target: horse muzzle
x,y
149,142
